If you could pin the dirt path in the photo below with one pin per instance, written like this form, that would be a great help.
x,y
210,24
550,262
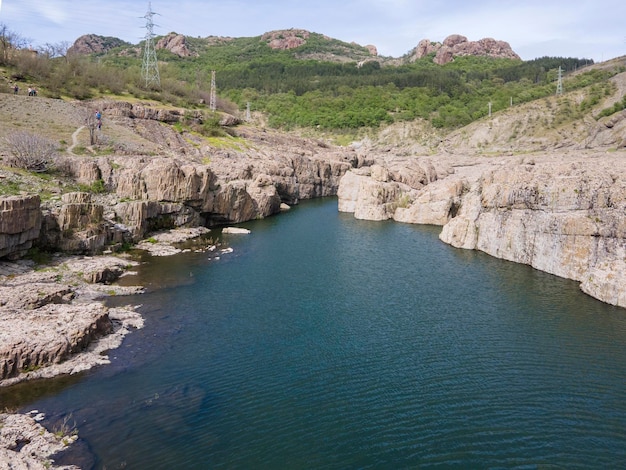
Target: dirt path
x,y
70,149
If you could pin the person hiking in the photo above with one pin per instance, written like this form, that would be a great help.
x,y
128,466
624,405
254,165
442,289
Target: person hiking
x,y
16,90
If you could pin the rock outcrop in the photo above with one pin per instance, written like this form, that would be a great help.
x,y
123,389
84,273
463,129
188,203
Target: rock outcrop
x,y
286,39
49,316
456,45
565,218
27,445
175,43
188,185
20,224
562,214
95,44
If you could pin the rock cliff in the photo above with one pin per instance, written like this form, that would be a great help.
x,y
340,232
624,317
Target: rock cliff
x,y
187,183
562,214
456,45
20,224
176,44
94,44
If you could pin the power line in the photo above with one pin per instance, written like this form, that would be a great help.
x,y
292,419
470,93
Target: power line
x,y
150,66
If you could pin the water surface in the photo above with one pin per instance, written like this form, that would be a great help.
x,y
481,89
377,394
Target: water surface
x,y
331,343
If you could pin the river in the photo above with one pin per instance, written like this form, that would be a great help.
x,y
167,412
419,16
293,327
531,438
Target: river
x,y
325,342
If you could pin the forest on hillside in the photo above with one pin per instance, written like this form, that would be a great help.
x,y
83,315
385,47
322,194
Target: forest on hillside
x,y
295,92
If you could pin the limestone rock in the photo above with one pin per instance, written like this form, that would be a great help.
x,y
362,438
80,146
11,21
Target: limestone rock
x,y
27,445
562,214
20,223
74,328
50,322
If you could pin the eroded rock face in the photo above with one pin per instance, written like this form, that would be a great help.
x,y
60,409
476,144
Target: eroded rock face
x,y
563,218
560,214
76,327
20,223
48,316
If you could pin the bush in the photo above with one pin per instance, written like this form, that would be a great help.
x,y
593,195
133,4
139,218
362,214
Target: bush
x,y
31,152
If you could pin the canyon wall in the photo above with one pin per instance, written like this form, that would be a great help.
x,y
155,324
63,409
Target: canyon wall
x,y
562,214
146,194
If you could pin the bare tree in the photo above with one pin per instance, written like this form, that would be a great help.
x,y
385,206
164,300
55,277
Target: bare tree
x,y
58,49
31,152
93,123
9,42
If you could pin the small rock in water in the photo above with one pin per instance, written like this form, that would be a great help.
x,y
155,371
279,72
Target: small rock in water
x,y
236,230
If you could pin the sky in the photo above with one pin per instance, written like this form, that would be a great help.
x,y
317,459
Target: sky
x,y
535,28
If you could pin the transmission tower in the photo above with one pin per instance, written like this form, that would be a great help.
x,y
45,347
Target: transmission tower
x,y
150,67
559,83
213,100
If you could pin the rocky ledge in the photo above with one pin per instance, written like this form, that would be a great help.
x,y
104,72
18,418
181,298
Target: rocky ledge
x,y
51,319
26,445
560,212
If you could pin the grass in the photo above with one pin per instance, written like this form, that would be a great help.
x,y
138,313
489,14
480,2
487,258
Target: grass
x,y
228,143
9,188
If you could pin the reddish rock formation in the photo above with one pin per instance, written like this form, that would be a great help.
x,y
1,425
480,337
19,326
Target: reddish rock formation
x,y
456,45
286,39
94,44
176,44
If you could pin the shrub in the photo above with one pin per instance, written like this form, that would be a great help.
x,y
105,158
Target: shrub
x,y
31,152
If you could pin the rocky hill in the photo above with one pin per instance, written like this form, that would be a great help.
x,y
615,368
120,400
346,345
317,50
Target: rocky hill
x,y
297,40
458,46
95,44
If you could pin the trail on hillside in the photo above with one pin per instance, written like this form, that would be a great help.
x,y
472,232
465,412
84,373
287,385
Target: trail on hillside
x,y
70,149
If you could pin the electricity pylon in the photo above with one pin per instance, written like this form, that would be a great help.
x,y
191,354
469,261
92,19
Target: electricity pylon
x,y
213,100
150,66
559,83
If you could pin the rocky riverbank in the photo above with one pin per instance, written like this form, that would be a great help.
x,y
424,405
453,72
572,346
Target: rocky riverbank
x,y
555,201
27,445
560,212
52,320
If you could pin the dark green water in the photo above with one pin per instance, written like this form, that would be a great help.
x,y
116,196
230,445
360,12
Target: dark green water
x,y
323,342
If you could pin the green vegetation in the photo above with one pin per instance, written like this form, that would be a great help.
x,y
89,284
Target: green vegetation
x,y
97,187
324,84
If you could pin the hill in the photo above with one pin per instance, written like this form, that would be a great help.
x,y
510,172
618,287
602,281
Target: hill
x,y
304,45
299,79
